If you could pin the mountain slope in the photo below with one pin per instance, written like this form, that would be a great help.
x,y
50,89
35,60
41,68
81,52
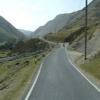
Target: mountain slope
x,y
75,27
54,25
26,32
8,32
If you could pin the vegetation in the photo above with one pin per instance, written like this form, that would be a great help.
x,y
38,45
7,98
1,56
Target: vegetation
x,y
4,53
93,67
14,77
32,45
7,46
16,74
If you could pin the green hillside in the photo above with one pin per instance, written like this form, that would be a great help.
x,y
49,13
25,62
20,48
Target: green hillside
x,y
9,32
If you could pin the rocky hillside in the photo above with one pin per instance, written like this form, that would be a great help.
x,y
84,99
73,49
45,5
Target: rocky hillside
x,y
73,32
32,45
8,32
54,25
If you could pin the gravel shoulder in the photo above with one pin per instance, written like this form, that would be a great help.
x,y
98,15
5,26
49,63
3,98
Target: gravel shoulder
x,y
78,59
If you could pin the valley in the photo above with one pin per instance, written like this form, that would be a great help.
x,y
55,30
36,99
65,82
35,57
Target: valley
x,y
48,63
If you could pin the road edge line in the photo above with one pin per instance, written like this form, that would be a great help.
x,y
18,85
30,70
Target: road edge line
x,y
96,87
36,78
34,83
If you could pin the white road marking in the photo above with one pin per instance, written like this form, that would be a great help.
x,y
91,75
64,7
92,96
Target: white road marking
x,y
37,76
30,91
81,72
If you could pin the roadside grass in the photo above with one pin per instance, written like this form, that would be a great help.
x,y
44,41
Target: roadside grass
x,y
3,53
93,67
15,77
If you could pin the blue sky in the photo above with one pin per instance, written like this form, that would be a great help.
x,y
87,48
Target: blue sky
x,y
30,14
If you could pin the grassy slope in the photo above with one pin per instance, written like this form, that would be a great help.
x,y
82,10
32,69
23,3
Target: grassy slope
x,y
14,77
4,36
31,45
3,53
93,67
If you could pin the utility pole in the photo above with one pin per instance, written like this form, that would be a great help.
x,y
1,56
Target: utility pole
x,y
86,27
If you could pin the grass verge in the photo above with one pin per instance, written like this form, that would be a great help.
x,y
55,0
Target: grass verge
x,y
3,53
93,67
15,77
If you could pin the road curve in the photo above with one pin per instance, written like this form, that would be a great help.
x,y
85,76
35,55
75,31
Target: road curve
x,y
58,80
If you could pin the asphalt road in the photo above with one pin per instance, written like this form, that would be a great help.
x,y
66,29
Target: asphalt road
x,y
59,80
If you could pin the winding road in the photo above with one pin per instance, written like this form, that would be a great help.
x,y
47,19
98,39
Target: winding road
x,y
59,80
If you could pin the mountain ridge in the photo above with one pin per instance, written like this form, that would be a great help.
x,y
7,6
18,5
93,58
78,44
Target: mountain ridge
x,y
53,25
8,32
78,22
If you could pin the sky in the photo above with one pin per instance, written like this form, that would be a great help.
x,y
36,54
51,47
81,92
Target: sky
x,y
30,14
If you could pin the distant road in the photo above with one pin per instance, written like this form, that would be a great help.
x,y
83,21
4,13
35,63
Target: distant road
x,y
59,80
